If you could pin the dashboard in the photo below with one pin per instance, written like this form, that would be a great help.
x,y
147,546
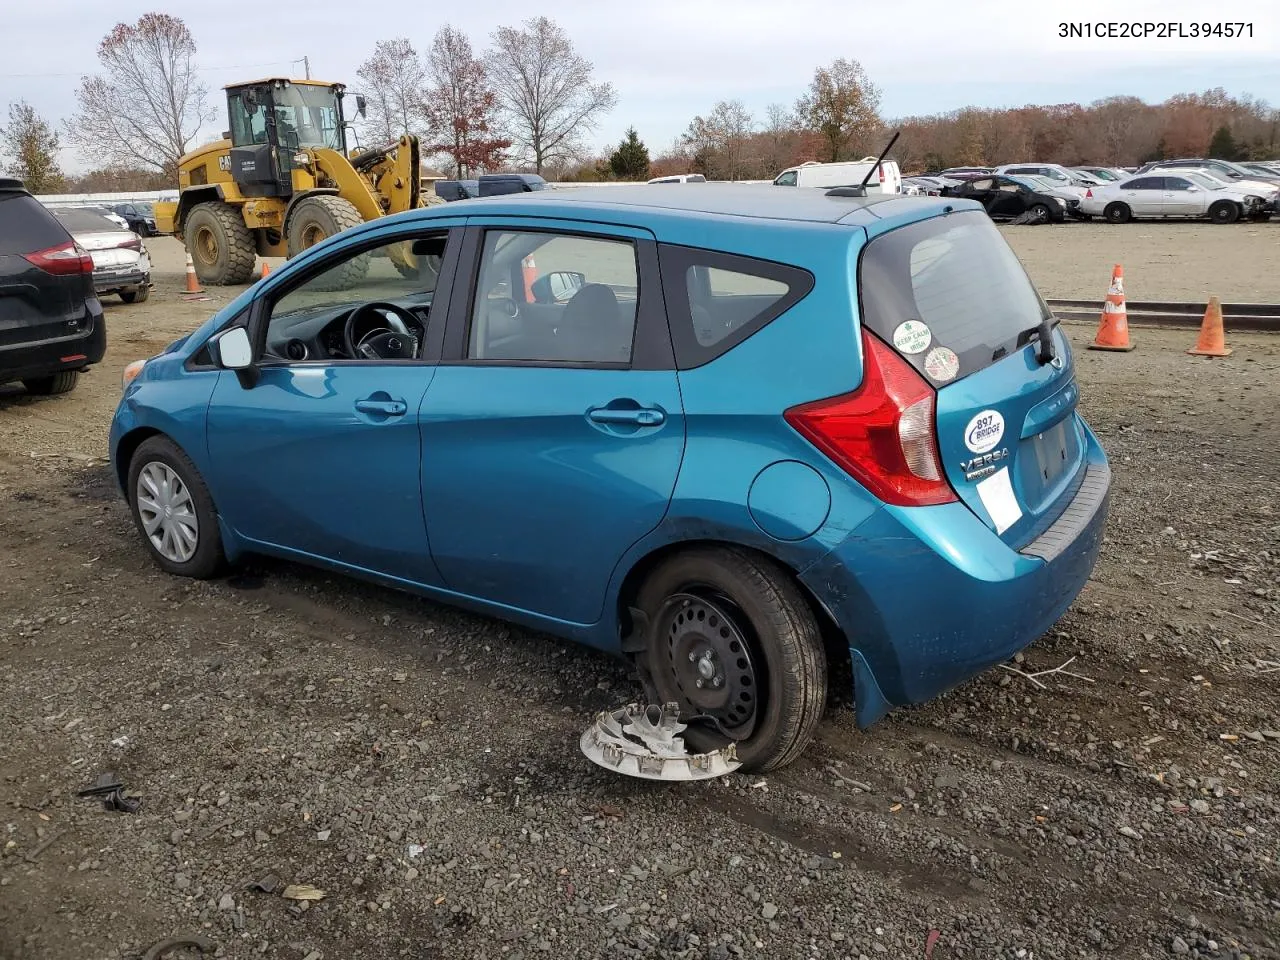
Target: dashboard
x,y
318,335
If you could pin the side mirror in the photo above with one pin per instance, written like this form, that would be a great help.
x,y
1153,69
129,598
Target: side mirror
x,y
235,352
558,287
360,104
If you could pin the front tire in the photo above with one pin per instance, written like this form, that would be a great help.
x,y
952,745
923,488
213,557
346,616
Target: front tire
x,y
738,622
173,511
1118,213
220,244
1224,211
63,381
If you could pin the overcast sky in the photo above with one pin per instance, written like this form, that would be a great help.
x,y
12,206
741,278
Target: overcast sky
x,y
671,60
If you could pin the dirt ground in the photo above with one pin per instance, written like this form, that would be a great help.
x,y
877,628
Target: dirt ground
x,y
421,766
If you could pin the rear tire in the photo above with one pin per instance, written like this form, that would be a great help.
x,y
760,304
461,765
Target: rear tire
x,y
316,219
61,382
160,456
787,666
1118,213
220,244
138,294
1224,211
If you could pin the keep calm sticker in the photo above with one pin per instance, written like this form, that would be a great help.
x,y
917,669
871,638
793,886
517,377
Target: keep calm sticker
x,y
942,364
912,336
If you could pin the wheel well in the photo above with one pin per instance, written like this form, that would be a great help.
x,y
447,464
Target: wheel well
x,y
129,445
835,643
191,197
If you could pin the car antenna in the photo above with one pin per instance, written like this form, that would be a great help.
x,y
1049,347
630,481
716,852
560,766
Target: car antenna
x,y
861,189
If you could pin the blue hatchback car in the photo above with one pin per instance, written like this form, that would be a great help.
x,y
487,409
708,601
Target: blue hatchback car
x,y
727,432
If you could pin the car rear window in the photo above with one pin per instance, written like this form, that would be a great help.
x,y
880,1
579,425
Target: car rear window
x,y
86,221
26,226
948,294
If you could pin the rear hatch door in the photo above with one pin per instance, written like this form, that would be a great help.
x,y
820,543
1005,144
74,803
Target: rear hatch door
x,y
953,300
34,305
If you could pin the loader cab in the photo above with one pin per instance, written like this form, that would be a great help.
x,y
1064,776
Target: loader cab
x,y
273,124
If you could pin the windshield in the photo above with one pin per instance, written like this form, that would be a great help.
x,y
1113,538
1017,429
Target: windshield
x,y
307,117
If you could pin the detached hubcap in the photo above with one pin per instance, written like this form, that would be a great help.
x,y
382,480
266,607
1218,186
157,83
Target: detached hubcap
x,y
167,512
710,663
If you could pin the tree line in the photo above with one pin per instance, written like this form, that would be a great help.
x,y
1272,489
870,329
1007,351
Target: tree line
x,y
530,101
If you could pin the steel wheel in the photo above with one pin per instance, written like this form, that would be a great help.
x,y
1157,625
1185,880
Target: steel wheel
x,y
710,667
167,512
731,640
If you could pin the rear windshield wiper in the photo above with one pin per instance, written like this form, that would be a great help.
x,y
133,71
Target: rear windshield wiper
x,y
1043,331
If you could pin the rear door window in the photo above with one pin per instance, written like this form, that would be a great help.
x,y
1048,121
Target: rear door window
x,y
948,282
717,300
26,226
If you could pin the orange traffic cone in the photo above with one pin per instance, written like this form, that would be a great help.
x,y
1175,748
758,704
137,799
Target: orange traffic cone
x,y
1113,328
193,285
266,269
530,275
1213,341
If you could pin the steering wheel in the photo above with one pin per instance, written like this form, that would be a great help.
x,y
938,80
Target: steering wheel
x,y
395,341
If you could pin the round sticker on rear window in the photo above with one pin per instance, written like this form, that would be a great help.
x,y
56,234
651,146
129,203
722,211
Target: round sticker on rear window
x,y
942,364
912,336
984,431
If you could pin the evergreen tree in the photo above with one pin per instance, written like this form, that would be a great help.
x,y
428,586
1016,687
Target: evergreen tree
x,y
631,160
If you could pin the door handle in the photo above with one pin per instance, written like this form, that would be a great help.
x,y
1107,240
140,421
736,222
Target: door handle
x,y
644,416
390,408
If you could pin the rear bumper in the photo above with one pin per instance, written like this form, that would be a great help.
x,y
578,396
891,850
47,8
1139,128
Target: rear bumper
x,y
41,358
113,282
929,596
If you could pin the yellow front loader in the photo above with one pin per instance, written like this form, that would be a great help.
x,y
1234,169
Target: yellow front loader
x,y
281,179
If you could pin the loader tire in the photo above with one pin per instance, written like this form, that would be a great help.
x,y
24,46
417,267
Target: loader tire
x,y
315,219
220,244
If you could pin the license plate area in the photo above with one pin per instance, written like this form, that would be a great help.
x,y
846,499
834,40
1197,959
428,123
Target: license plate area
x,y
1051,452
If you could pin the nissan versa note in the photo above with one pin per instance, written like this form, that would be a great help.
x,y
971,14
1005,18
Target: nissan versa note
x,y
705,429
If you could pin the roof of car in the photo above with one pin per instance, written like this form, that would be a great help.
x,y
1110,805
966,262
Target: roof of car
x,y
8,183
761,201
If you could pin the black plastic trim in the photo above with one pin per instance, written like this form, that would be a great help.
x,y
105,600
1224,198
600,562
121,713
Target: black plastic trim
x,y
1089,499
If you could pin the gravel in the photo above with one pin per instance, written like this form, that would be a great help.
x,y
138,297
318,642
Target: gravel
x,y
1128,815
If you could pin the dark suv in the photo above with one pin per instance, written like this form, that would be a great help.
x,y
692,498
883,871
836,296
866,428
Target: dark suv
x,y
51,324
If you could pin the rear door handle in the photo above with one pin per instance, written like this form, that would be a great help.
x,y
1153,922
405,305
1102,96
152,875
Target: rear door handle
x,y
644,417
390,408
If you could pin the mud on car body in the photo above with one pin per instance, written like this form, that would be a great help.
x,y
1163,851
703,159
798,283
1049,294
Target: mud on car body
x,y
728,432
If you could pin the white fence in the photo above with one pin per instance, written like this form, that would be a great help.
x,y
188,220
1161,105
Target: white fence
x,y
150,196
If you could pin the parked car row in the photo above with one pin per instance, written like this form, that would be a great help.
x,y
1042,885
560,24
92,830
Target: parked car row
x,y
1217,190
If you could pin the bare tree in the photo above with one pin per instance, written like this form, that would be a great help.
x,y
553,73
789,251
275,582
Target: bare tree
x,y
721,141
461,105
545,91
842,104
150,105
33,145
395,89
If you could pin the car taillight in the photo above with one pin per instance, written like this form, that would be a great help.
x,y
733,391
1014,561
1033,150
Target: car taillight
x,y
883,433
880,170
1088,194
63,260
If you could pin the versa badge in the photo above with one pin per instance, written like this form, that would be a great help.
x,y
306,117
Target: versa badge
x,y
979,467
